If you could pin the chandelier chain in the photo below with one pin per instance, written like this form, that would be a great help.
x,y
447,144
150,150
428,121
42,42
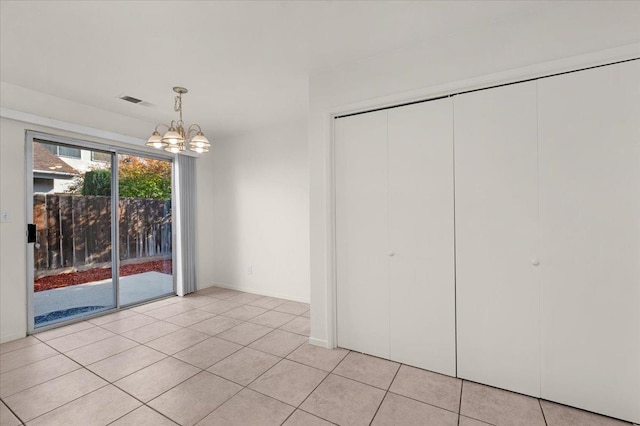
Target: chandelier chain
x,y
177,105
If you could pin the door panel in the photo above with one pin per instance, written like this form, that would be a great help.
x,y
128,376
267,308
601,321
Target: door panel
x,y
590,237
496,237
72,254
145,225
362,233
421,271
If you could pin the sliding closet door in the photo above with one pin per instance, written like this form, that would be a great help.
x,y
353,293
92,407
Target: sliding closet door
x,y
496,237
421,258
590,237
362,241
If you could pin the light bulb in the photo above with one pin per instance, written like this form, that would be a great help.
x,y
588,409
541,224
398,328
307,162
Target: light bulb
x,y
155,141
172,137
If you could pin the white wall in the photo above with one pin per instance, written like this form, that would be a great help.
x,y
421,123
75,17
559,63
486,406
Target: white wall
x,y
13,290
438,67
254,202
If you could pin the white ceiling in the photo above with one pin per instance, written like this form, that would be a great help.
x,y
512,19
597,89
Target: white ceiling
x,y
246,64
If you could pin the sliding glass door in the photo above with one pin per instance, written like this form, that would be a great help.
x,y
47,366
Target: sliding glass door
x,y
102,229
145,223
72,252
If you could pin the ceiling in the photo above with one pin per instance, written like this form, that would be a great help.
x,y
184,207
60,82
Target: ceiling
x,y
246,64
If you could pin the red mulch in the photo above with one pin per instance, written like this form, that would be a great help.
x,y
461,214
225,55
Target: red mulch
x,y
74,278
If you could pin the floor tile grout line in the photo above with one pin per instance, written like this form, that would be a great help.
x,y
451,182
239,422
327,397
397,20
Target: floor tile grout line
x,y
315,415
80,366
135,409
422,402
43,359
23,347
215,335
385,394
321,382
146,344
542,410
363,383
237,325
477,420
460,401
247,347
162,414
99,341
267,370
68,402
207,368
12,412
279,356
161,393
36,333
388,389
220,405
80,331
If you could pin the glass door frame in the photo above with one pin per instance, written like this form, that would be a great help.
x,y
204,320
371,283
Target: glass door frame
x,y
31,137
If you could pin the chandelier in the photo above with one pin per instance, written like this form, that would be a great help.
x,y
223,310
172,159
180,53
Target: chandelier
x,y
177,139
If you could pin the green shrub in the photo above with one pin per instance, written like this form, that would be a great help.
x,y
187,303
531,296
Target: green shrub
x,y
97,182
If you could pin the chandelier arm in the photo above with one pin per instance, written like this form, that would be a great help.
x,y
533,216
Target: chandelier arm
x,y
193,128
161,124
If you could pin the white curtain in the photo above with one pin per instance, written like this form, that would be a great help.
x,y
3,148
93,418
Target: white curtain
x,y
186,256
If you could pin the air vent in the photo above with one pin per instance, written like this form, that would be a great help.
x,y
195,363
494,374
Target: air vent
x,y
130,99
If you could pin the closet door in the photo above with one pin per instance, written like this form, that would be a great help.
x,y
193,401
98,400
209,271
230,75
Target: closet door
x,y
590,239
421,261
497,288
362,237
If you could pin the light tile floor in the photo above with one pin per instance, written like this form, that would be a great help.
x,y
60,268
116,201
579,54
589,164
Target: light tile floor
x,y
222,357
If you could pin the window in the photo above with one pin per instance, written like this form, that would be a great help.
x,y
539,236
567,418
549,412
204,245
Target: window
x,y
100,156
63,151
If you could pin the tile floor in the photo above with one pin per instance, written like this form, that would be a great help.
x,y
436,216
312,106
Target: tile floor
x,y
222,357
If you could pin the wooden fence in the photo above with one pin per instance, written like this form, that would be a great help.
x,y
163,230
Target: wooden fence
x,y
74,231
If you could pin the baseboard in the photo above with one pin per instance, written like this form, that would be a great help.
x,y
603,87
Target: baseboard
x,y
318,342
260,291
13,336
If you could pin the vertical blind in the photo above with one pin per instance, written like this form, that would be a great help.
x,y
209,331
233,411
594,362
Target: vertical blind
x,y
186,209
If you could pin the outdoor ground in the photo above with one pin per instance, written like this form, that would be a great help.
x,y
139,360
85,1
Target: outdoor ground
x,y
74,278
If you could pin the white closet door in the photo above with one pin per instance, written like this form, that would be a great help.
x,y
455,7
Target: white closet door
x,y
590,237
362,233
421,265
497,287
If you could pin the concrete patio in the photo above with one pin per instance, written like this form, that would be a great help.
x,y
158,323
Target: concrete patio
x,y
133,288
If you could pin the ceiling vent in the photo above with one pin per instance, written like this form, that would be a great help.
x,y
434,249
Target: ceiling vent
x,y
130,99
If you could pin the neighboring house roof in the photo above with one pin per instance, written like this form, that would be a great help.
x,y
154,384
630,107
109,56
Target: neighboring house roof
x,y
47,165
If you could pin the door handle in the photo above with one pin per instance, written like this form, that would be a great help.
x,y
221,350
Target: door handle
x,y
535,261
31,233
391,254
